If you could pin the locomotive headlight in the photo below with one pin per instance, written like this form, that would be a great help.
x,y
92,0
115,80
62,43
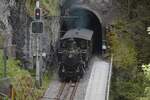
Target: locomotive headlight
x,y
77,69
70,55
63,70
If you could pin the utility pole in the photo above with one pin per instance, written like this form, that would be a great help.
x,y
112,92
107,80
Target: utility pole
x,y
5,61
37,17
38,75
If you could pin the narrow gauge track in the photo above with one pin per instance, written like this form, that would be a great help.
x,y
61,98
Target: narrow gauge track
x,y
61,89
67,91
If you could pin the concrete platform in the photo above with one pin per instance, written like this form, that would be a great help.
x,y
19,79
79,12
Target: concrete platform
x,y
97,86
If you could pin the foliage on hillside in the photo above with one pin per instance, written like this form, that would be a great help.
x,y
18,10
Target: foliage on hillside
x,y
137,14
122,46
146,70
13,69
127,80
49,7
130,45
22,81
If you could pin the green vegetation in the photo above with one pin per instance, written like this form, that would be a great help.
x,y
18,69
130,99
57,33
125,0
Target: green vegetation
x,y
30,5
126,80
13,69
146,69
129,43
1,64
122,47
22,81
49,7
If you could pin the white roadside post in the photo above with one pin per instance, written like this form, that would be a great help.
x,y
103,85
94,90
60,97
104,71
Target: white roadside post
x,y
104,47
148,30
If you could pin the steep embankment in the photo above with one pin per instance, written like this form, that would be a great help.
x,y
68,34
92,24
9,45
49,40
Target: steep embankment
x,y
130,45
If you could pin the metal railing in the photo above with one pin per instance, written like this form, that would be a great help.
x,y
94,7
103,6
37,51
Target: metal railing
x,y
3,96
109,78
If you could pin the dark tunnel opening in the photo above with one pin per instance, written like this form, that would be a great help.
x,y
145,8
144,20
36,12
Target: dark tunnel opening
x,y
83,18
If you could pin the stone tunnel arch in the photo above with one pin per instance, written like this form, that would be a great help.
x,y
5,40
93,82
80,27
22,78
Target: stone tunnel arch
x,y
88,18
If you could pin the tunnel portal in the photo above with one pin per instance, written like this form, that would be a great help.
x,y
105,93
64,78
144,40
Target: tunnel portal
x,y
84,18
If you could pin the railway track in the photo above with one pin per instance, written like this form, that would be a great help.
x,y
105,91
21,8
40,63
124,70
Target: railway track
x,y
61,89
67,91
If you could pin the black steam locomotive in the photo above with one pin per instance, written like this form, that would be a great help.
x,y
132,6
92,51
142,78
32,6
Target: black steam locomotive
x,y
74,52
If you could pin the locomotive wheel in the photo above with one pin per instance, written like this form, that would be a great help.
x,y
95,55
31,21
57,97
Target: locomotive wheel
x,y
60,75
75,79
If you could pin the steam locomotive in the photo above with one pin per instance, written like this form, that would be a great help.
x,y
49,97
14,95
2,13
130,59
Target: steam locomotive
x,y
75,49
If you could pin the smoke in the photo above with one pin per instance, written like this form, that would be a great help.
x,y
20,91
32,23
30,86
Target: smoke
x,y
82,20
78,18
68,3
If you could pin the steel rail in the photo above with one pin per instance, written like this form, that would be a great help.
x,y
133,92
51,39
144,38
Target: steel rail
x,y
74,91
64,91
61,89
67,91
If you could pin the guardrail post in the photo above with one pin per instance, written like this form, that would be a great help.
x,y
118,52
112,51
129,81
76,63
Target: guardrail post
x,y
12,92
109,78
5,61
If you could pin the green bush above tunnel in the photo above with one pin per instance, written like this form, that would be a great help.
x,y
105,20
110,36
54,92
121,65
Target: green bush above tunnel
x,y
49,7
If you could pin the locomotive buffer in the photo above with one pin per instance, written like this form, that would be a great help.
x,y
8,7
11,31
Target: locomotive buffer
x,y
37,30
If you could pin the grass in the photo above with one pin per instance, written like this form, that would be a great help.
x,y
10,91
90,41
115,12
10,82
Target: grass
x,y
13,68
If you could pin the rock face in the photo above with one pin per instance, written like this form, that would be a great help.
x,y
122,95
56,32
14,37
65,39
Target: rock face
x,y
14,26
20,22
5,26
